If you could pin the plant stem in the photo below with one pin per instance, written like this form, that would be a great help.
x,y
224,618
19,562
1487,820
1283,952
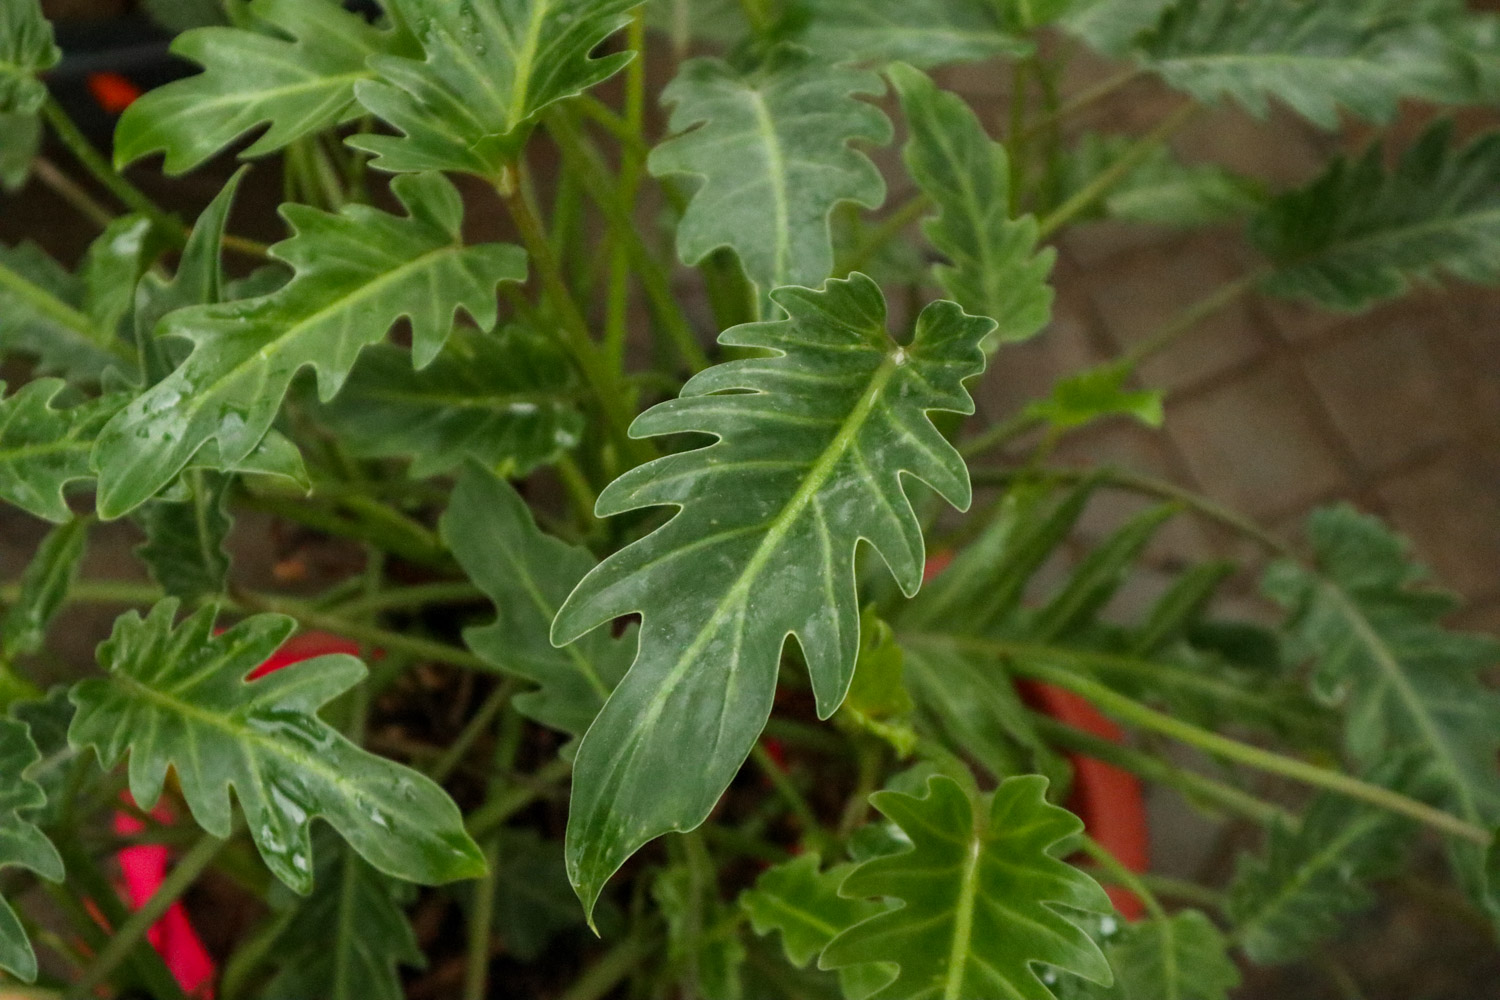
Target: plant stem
x,y
480,925
1080,101
883,232
64,187
1116,172
473,729
134,929
793,798
419,595
1121,875
1132,712
378,638
488,817
85,153
611,969
1184,322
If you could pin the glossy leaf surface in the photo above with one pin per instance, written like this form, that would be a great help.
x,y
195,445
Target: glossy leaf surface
x,y
1181,957
178,698
984,902
44,447
44,588
801,902
771,151
357,273
813,442
489,67
22,844
43,314
184,548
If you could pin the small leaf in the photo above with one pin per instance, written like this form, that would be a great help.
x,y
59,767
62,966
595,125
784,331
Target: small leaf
x,y
702,941
22,844
877,694
111,267
490,66
44,588
20,141
1111,25
771,148
1181,957
357,273
996,269
26,50
347,940
528,575
1095,394
179,699
921,32
43,448
184,547
1359,233
803,902
293,70
984,901
42,314
1161,190
533,901
505,400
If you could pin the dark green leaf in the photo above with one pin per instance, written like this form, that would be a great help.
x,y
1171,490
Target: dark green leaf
x,y
1111,25
180,15
22,844
533,901
295,71
528,575
984,901
996,269
179,699
490,66
703,942
42,313
878,701
803,903
1360,233
357,273
809,460
1181,957
505,400
771,149
921,32
43,448
110,269
26,49
44,587
184,548
48,718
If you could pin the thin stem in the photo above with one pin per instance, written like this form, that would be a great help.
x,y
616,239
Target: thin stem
x,y
792,797
1084,99
1132,712
61,184
85,153
599,979
419,595
1116,172
1188,319
1002,433
883,232
482,720
490,816
632,166
1121,875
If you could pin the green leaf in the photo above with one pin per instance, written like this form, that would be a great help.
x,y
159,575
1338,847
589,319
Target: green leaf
x,y
42,313
179,699
26,50
20,141
984,901
1161,190
996,269
1316,57
771,149
808,461
878,701
1111,25
184,547
802,902
490,66
47,718
1095,394
44,588
347,940
180,15
1359,233
528,575
43,448
533,902
1313,877
1181,957
505,400
702,941
921,32
22,844
295,71
357,273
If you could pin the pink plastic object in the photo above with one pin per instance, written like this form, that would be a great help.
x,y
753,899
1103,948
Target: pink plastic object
x,y
145,866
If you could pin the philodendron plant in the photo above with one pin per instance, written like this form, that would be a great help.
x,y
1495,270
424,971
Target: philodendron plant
x,y
599,487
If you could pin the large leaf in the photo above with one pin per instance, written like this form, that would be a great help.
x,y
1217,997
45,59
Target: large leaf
x,y
1316,57
347,939
996,269
1405,683
22,844
179,699
43,314
528,575
1181,957
983,899
771,149
357,273
184,547
44,588
294,69
921,32
809,460
26,49
1360,233
44,447
490,66
505,400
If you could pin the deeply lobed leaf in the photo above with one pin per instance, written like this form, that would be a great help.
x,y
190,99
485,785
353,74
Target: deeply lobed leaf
x,y
26,50
44,447
921,32
812,445
22,844
44,588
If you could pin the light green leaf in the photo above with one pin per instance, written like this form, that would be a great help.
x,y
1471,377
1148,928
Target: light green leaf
x,y
295,71
357,273
347,940
878,701
22,844
771,149
111,267
490,66
26,49
1162,190
1095,394
179,699
1316,57
984,901
995,267
44,587
43,314
702,943
1181,957
808,461
20,140
1359,233
505,400
184,547
921,32
803,903
43,447
528,575
684,21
